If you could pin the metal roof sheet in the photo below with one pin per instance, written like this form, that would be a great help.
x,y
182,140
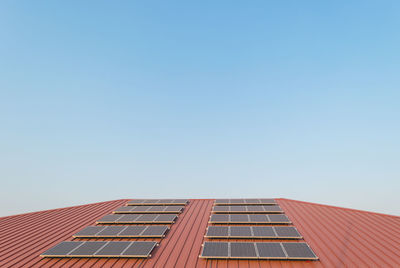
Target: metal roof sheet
x,y
339,237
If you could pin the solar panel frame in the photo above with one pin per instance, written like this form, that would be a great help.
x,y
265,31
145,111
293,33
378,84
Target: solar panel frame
x,y
248,209
139,249
251,232
299,251
101,249
158,202
149,210
87,249
125,231
215,250
258,250
251,218
62,249
247,202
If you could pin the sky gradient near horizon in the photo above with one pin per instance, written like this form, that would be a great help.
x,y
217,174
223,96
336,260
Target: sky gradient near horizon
x,y
103,100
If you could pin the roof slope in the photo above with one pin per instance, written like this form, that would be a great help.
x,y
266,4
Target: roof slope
x,y
339,237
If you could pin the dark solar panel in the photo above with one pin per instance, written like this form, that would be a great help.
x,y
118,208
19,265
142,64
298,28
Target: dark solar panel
x,y
140,208
278,218
270,251
257,218
155,231
240,231
139,249
299,251
132,231
123,210
112,249
89,231
239,208
263,232
249,209
215,250
156,208
87,249
254,208
109,218
217,231
252,201
111,231
221,201
249,201
240,250
219,218
287,232
221,208
239,218
173,209
267,201
166,218
274,208
236,201
128,218
62,249
146,218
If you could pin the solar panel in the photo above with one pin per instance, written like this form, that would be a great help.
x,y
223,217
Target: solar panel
x,y
249,219
122,231
251,201
239,218
264,250
112,249
243,250
215,250
240,231
287,232
217,231
149,209
61,249
136,249
248,209
158,202
279,218
299,251
139,249
87,249
270,251
253,232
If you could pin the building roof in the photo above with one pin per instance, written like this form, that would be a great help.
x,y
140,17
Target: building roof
x,y
338,236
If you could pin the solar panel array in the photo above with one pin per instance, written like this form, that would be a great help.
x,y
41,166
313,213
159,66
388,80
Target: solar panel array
x,y
134,215
117,249
158,202
122,231
267,232
261,251
243,219
149,209
249,219
247,209
231,202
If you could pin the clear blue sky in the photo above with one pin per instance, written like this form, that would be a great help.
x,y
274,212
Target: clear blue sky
x,y
103,100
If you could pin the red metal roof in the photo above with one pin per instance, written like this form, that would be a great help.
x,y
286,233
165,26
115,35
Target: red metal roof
x,y
340,237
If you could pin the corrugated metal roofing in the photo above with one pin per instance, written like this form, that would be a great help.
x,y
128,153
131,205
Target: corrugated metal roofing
x,y
340,237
